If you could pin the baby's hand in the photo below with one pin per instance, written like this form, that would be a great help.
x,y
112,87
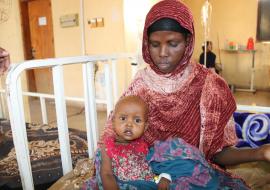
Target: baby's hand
x,y
164,184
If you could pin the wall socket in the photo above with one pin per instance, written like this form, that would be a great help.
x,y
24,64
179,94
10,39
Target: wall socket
x,y
96,22
100,22
92,22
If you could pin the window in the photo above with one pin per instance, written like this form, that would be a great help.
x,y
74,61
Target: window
x,y
263,22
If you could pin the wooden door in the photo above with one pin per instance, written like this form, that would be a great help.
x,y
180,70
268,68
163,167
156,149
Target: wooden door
x,y
42,44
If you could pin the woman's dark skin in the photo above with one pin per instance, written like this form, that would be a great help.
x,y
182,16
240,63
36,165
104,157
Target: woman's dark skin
x,y
167,49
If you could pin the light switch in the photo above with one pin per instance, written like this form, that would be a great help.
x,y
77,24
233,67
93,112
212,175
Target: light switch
x,y
69,20
92,22
100,22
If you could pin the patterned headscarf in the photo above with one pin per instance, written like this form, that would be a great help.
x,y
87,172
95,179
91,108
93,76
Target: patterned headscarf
x,y
176,10
191,102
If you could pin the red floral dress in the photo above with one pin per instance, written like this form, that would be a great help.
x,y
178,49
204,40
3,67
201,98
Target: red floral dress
x,y
129,160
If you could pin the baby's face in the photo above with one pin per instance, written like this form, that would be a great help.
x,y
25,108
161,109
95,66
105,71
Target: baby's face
x,y
129,120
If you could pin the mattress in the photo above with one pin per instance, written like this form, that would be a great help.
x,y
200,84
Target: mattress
x,y
44,153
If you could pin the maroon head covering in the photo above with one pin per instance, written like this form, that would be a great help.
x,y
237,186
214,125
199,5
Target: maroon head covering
x,y
191,102
176,10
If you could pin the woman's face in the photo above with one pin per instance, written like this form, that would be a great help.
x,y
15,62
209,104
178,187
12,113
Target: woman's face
x,y
167,49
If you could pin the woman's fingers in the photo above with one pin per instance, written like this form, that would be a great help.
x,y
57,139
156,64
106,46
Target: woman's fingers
x,y
261,182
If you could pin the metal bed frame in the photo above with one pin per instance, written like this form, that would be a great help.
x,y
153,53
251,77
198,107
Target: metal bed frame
x,y
15,105
15,95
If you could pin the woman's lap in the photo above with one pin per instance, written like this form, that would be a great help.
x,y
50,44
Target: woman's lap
x,y
194,174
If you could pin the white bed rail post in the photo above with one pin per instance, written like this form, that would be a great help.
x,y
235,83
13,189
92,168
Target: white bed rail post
x,y
253,109
115,81
43,110
16,110
60,105
17,120
109,90
90,107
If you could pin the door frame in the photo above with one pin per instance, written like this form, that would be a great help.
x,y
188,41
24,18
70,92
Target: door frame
x,y
30,76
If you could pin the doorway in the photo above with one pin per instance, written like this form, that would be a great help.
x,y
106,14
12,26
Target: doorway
x,y
36,17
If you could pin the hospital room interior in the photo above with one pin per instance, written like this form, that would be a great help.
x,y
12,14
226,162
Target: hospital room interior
x,y
42,29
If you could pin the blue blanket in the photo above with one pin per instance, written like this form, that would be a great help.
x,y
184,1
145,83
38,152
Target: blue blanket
x,y
252,130
186,165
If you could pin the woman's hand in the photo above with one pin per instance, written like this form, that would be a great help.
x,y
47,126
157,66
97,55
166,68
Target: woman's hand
x,y
164,184
261,182
233,156
4,60
264,152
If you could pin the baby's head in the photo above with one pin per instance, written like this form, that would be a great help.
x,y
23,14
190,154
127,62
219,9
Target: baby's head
x,y
130,118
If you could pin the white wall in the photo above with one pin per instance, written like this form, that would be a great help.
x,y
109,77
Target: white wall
x,y
234,21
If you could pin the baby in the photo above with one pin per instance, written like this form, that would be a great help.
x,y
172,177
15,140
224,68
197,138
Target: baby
x,y
124,155
127,162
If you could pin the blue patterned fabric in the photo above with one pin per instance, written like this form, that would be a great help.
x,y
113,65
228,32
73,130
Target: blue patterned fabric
x,y
186,165
252,130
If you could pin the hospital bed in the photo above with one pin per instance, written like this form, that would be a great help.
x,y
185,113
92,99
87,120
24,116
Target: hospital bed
x,y
15,95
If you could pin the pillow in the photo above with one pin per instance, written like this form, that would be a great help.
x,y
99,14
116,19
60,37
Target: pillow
x,y
252,130
44,152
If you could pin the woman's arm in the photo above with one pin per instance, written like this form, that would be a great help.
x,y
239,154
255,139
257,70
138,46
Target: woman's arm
x,y
107,177
233,156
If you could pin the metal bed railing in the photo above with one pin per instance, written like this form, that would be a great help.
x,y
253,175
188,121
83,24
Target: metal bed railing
x,y
15,95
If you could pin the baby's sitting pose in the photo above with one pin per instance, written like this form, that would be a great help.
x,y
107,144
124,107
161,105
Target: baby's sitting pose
x,y
127,163
123,157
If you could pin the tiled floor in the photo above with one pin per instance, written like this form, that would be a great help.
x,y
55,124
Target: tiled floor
x,y
259,98
75,113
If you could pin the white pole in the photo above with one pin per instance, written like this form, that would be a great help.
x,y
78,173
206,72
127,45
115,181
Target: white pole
x,y
205,45
206,15
43,110
82,27
252,72
90,107
109,93
61,114
114,80
17,120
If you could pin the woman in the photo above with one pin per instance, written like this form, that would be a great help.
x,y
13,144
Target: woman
x,y
210,57
185,99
